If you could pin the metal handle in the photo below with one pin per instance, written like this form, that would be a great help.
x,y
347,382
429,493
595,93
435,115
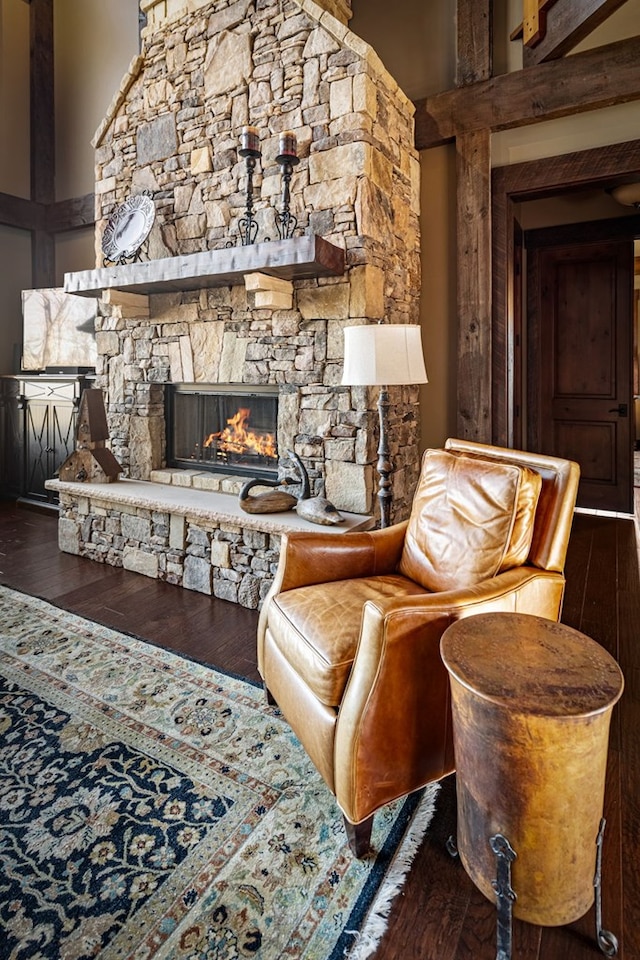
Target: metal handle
x,y
622,410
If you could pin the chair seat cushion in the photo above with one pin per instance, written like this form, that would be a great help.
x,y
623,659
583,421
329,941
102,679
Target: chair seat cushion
x,y
470,519
317,628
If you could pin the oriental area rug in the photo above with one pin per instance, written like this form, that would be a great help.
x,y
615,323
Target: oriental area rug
x,y
154,807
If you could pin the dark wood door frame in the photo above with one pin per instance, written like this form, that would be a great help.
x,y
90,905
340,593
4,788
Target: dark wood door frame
x,y
598,167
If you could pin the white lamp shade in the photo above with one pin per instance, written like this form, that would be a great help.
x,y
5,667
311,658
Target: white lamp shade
x,y
383,354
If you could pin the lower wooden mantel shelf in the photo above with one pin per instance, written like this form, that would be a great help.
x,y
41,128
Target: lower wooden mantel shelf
x,y
298,258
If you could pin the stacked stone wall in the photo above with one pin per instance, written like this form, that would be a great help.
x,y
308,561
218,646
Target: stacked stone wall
x,y
220,559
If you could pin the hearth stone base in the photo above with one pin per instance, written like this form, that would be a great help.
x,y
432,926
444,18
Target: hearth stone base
x,y
197,539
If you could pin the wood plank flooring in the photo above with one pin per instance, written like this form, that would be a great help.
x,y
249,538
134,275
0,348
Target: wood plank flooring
x,y
439,915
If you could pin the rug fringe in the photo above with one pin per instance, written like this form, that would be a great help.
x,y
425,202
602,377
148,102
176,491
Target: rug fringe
x,y
375,924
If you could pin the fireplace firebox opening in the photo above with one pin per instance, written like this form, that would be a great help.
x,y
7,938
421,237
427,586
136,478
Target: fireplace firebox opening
x,y
223,428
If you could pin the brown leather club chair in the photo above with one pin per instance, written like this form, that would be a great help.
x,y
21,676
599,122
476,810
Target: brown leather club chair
x,y
349,635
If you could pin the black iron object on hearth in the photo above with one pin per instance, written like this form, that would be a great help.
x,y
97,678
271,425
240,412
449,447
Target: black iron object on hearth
x,y
288,158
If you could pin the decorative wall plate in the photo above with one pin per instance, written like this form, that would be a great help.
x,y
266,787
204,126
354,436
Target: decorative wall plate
x,y
128,227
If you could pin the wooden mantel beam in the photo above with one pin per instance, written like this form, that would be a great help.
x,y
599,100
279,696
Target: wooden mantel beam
x,y
586,81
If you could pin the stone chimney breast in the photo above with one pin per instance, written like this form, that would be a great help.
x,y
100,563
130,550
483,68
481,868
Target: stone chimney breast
x,y
207,70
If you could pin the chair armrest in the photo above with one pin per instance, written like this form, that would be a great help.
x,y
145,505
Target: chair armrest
x,y
307,558
394,720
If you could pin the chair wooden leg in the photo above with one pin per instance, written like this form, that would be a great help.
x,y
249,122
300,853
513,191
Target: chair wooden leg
x,y
359,836
270,697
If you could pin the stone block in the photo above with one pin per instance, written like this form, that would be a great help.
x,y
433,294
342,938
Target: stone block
x,y
349,486
201,161
271,300
367,292
234,350
68,536
157,139
349,159
197,574
330,302
341,97
161,476
108,343
220,554
228,64
138,561
249,592
206,347
365,96
225,590
177,531
136,528
184,478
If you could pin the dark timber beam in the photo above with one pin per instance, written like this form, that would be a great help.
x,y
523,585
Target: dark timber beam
x,y
71,214
473,170
43,170
587,81
21,213
474,41
567,25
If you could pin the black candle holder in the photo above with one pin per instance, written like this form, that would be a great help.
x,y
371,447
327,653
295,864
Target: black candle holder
x,y
248,225
286,222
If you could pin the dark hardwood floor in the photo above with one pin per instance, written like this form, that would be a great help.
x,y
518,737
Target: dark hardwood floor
x,y
439,915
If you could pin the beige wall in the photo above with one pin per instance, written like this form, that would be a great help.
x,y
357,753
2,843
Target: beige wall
x,y
87,76
414,39
94,45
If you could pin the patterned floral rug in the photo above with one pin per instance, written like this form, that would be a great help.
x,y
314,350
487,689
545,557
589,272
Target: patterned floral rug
x,y
153,807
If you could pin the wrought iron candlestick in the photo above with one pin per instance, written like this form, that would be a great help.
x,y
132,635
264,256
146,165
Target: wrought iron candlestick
x,y
248,225
287,157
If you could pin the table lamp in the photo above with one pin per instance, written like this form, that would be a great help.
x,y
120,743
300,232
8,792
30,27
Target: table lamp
x,y
383,354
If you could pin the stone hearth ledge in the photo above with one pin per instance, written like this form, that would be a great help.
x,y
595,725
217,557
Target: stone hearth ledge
x,y
197,539
204,505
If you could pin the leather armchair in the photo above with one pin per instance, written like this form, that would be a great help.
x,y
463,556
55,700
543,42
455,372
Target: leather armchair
x,y
349,635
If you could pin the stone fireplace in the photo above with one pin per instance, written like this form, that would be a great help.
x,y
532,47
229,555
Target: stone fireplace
x,y
206,70
204,315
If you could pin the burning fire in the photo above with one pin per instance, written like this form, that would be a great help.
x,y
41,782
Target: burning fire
x,y
235,438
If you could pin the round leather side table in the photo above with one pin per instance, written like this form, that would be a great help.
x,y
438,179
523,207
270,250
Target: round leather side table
x,y
531,702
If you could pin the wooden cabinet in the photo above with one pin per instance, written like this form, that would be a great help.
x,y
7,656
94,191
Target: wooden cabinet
x,y
37,431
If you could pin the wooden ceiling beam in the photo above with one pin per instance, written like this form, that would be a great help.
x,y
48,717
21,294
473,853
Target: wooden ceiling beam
x,y
73,214
543,92
566,25
20,213
474,41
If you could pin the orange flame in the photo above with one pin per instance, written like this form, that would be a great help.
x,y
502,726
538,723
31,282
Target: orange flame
x,y
235,438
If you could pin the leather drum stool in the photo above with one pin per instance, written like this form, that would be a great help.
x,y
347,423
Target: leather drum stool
x,y
531,702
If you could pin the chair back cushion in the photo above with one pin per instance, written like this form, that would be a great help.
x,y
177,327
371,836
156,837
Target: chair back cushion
x,y
471,519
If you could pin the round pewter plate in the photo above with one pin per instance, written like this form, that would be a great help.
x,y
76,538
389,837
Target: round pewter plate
x,y
128,227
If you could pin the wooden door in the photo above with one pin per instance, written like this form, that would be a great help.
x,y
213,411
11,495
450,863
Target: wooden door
x,y
579,359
